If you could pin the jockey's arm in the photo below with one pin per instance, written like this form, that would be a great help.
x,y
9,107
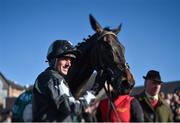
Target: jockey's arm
x,y
64,100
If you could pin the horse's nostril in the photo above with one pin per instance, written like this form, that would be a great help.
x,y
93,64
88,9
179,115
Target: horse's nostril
x,y
127,84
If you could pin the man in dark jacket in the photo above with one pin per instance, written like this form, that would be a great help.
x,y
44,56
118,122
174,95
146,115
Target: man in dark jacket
x,y
154,107
52,99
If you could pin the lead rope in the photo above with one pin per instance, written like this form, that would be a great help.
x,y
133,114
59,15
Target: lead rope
x,y
111,104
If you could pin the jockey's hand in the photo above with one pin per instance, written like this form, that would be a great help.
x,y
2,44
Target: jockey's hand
x,y
89,97
90,109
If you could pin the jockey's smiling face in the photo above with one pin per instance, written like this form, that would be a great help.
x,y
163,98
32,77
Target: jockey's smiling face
x,y
63,65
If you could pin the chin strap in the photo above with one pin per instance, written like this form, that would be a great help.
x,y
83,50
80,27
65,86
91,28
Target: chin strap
x,y
53,63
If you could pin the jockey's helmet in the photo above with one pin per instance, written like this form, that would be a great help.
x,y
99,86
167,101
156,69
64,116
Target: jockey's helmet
x,y
60,48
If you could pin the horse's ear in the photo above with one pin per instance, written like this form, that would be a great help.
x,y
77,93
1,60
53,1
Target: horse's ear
x,y
117,30
94,24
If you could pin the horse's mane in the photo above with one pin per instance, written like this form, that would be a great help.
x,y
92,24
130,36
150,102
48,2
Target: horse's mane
x,y
83,46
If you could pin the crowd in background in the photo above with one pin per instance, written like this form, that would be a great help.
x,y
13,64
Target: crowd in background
x,y
173,100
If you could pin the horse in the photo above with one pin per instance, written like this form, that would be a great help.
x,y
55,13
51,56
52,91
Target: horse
x,y
100,52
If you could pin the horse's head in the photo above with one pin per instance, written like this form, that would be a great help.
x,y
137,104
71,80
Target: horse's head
x,y
101,52
108,54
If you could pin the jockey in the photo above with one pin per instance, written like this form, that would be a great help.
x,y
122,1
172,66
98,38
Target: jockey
x,y
52,99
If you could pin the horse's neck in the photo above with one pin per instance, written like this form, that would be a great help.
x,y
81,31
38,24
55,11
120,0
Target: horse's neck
x,y
78,75
82,68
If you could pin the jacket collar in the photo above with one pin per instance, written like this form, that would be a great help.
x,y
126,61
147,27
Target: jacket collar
x,y
151,97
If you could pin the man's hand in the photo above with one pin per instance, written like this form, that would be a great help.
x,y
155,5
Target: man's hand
x,y
90,109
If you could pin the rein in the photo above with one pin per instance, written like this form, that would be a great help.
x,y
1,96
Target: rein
x,y
112,78
110,104
108,92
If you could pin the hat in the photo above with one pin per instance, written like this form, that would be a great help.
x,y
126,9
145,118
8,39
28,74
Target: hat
x,y
153,75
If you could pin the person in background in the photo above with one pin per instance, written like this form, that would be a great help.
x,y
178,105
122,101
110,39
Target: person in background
x,y
175,106
168,98
52,100
154,107
126,107
22,107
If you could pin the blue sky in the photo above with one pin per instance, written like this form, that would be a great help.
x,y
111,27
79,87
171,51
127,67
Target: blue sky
x,y
150,33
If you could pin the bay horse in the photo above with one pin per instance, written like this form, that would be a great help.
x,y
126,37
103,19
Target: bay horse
x,y
100,52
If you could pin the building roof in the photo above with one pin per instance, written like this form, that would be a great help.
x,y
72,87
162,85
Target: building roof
x,y
11,83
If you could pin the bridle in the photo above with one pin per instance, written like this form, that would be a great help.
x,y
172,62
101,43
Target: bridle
x,y
106,33
121,68
112,75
